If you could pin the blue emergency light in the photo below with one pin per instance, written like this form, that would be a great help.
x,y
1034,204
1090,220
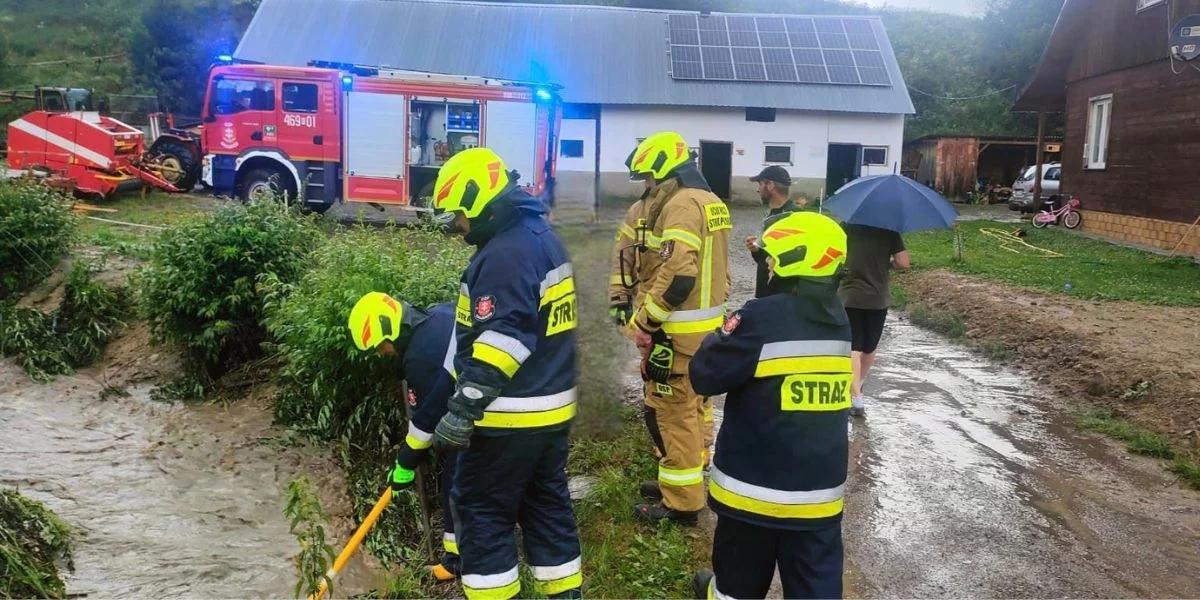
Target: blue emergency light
x,y
347,82
543,94
225,58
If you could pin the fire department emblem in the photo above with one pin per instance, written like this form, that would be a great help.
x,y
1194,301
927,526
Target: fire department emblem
x,y
667,249
412,397
229,137
485,307
731,323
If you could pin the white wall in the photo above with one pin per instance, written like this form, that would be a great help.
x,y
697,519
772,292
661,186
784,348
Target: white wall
x,y
809,132
579,129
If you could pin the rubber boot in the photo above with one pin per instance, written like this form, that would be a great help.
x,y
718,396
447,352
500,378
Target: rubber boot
x,y
650,490
700,582
653,513
441,573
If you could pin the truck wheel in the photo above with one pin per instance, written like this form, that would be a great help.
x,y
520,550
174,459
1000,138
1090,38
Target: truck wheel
x,y
178,162
264,184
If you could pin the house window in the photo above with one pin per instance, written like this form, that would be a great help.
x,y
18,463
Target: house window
x,y
1144,4
875,156
300,97
761,115
777,154
570,148
1096,146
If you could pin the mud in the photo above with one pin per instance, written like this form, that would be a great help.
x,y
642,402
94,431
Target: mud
x,y
1102,352
168,500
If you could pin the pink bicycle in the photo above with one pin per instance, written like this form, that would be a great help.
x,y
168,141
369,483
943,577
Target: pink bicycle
x,y
1065,215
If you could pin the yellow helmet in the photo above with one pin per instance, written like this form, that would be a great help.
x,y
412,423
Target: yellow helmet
x,y
805,244
659,154
469,181
375,317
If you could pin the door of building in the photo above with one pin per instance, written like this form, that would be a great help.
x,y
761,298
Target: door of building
x,y
716,164
844,165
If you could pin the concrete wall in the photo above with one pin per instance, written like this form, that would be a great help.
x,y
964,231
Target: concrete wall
x,y
576,176
810,133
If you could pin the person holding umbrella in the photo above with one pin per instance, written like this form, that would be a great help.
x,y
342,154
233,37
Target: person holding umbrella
x,y
874,212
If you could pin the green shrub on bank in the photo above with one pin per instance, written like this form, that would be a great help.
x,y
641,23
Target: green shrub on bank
x,y
32,542
36,226
73,335
198,289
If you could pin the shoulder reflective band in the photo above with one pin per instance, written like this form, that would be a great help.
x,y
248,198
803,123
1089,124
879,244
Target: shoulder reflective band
x,y
681,477
449,543
803,356
500,586
554,285
780,504
530,412
682,235
626,231
462,310
558,579
653,241
701,320
417,439
501,351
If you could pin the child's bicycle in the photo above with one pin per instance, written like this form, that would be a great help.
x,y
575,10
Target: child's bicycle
x,y
1065,215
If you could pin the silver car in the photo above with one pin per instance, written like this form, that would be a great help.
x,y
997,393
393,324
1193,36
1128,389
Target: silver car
x,y
1022,196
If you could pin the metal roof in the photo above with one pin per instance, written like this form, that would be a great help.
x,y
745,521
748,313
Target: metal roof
x,y
601,55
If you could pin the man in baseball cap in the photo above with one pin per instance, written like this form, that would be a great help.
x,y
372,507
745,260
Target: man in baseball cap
x,y
774,184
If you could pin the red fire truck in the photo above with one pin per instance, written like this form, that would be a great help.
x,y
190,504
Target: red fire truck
x,y
329,133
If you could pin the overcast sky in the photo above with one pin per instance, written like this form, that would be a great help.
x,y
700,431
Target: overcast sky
x,y
960,7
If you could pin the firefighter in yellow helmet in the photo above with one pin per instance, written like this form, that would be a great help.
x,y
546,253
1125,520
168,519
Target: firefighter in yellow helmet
x,y
779,469
629,249
680,301
419,340
515,397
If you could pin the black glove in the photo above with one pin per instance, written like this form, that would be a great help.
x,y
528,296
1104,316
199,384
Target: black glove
x,y
465,407
621,313
660,358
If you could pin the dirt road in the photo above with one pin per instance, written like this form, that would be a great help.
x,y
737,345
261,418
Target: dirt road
x,y
970,480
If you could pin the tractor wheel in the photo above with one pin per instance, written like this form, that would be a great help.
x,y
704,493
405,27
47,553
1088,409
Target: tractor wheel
x,y
176,161
265,183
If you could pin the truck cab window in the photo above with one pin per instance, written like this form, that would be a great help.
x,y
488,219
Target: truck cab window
x,y
231,96
300,97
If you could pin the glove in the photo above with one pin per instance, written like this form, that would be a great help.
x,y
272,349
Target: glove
x,y
661,357
621,313
401,478
465,407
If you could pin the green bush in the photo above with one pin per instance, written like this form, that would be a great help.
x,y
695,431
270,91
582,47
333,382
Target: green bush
x,y
36,226
331,389
73,335
198,289
32,541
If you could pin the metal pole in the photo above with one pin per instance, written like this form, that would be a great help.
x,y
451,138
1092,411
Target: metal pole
x,y
422,492
1041,148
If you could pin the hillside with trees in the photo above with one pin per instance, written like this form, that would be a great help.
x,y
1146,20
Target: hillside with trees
x,y
963,72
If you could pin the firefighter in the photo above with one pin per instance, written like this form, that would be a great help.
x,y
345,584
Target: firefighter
x,y
779,469
423,341
515,396
681,300
630,242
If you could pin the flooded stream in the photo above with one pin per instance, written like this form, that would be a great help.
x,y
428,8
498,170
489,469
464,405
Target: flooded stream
x,y
168,500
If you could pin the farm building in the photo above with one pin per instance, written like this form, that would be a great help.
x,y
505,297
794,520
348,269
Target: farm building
x,y
953,164
1132,122
822,96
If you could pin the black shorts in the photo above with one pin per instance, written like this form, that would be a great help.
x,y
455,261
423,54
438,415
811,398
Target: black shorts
x,y
866,327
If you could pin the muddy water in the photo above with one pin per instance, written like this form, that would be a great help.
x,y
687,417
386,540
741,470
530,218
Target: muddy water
x,y
967,481
169,500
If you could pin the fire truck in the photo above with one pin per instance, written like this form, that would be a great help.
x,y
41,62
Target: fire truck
x,y
331,133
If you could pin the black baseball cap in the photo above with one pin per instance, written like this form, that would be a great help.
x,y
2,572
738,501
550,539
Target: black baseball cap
x,y
774,173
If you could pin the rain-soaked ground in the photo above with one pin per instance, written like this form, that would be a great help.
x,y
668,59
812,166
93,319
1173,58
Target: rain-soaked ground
x,y
168,500
966,480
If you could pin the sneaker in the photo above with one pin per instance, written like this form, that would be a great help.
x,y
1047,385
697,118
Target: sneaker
x,y
653,513
700,582
650,490
858,406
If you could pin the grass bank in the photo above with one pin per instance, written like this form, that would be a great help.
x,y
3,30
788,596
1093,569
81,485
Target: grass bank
x,y
1089,269
33,544
155,209
1140,440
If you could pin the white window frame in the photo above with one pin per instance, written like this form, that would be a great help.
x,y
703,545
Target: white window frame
x,y
886,152
1095,147
1144,4
791,153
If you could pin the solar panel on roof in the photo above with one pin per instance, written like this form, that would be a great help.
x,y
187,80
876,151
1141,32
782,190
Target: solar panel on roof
x,y
778,49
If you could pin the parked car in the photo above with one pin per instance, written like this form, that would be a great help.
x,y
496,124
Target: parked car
x,y
1022,189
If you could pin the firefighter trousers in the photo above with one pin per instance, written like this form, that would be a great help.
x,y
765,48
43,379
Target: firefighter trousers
x,y
745,557
503,481
675,419
449,463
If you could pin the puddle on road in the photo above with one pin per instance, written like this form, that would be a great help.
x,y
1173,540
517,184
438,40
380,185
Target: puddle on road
x,y
168,500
